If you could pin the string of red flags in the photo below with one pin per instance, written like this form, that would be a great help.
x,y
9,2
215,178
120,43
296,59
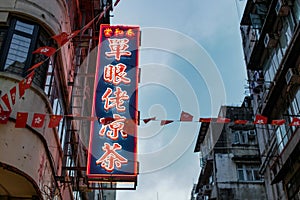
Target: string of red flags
x,y
9,99
54,120
278,122
38,120
149,119
165,122
223,120
64,37
186,117
47,51
241,121
259,120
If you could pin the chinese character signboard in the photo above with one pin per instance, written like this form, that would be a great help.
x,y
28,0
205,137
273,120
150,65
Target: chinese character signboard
x,y
113,139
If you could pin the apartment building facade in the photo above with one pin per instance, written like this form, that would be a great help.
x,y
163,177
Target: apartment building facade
x,y
271,44
229,158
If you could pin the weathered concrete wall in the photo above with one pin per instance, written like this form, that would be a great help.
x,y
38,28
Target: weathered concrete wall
x,y
227,179
34,151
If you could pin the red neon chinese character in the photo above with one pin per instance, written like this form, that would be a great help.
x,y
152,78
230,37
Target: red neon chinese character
x,y
130,33
111,158
119,32
118,48
116,74
108,32
116,101
114,128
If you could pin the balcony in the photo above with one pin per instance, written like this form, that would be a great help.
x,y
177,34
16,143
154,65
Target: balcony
x,y
250,38
259,18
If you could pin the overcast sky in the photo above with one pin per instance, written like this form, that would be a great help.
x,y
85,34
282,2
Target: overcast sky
x,y
191,60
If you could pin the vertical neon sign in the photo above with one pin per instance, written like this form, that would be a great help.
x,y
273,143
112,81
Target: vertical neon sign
x,y
113,139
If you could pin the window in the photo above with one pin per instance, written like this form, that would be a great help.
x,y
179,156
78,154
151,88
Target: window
x,y
49,83
248,172
240,137
17,43
19,46
243,137
52,91
284,133
282,136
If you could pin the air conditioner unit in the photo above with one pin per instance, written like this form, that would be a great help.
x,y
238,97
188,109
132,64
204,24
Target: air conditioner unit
x,y
282,8
270,40
292,76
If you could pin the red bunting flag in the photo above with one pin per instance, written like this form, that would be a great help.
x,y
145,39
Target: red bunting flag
x,y
54,121
223,120
4,116
29,80
106,120
165,122
295,122
35,66
206,120
186,117
47,51
61,38
21,120
149,119
278,122
25,84
13,92
239,121
129,126
64,37
38,120
5,99
259,119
